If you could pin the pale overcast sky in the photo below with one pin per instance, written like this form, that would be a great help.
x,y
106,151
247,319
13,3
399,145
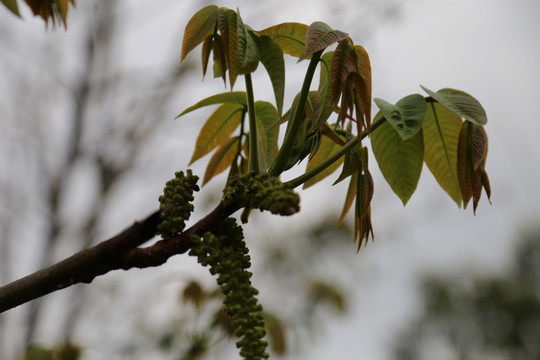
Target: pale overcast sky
x,y
488,48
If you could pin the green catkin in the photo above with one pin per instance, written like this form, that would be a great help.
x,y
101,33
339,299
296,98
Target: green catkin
x,y
226,253
263,192
175,203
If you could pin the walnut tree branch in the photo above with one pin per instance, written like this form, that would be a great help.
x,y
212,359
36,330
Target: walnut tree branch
x,y
119,252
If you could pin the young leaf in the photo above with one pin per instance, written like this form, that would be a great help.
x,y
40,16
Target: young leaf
x,y
272,59
248,49
400,160
291,37
344,62
363,91
327,147
217,129
472,154
266,115
441,134
322,106
198,28
205,53
232,97
407,116
319,36
351,196
228,25
364,194
461,103
353,161
222,159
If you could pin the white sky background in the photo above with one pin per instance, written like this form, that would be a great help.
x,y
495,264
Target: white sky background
x,y
488,48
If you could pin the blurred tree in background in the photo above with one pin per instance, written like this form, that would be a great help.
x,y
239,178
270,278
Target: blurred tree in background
x,y
476,318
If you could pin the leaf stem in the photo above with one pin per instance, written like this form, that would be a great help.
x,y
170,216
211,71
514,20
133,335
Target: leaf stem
x,y
282,158
253,149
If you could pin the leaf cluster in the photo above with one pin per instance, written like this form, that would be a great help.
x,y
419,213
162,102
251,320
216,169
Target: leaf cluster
x,y
444,129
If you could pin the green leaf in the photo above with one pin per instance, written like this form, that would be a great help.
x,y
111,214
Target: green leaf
x,y
319,36
322,106
407,116
400,160
232,97
272,59
441,134
266,115
291,37
248,49
222,159
461,103
198,28
217,129
327,147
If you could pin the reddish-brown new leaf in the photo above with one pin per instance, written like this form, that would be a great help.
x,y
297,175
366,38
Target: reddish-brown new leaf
x,y
319,36
472,154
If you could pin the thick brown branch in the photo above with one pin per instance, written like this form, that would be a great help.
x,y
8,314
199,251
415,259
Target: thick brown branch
x,y
161,251
119,252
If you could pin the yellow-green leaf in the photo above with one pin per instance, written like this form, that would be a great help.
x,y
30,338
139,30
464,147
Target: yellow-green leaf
x,y
205,53
198,28
272,59
12,6
400,160
217,129
232,97
461,103
441,134
266,115
222,159
291,37
327,147
319,36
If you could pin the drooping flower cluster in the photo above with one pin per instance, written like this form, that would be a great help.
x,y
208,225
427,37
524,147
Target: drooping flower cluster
x,y
226,253
175,203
